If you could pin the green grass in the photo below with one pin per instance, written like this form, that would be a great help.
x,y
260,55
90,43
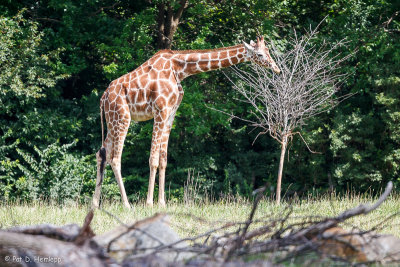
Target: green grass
x,y
20,213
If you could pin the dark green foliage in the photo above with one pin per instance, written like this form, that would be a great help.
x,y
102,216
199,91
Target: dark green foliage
x,y
25,69
57,57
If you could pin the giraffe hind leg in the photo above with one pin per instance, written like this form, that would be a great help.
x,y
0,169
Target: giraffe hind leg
x,y
101,164
118,139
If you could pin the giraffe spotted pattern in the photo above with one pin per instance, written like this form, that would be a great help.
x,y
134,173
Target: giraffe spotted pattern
x,y
153,90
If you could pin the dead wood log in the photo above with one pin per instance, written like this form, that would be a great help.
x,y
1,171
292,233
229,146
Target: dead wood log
x,y
49,245
67,232
144,238
33,250
361,247
152,261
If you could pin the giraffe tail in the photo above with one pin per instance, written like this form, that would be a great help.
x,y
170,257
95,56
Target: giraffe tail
x,y
102,163
101,119
102,151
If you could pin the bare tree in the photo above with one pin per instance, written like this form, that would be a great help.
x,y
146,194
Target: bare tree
x,y
305,87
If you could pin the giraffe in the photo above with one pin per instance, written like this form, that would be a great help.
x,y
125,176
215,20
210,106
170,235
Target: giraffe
x,y
154,90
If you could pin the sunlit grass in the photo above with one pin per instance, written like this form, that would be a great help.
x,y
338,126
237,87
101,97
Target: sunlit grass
x,y
227,210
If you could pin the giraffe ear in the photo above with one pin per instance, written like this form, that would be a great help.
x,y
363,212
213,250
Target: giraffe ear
x,y
249,47
252,43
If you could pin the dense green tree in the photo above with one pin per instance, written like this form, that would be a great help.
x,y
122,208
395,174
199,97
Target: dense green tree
x,y
358,140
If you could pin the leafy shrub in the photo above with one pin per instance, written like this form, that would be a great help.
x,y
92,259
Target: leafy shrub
x,y
53,174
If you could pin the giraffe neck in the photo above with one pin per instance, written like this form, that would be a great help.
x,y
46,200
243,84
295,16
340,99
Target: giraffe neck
x,y
190,62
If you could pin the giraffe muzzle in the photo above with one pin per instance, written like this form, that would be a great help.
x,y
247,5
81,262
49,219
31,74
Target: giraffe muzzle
x,y
276,69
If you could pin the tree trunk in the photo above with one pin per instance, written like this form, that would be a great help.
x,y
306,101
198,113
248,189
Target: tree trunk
x,y
168,21
279,181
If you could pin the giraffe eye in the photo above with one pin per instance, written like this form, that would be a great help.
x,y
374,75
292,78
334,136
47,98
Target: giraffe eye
x,y
260,55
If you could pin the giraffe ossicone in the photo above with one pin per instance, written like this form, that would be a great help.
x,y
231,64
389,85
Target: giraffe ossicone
x,y
153,90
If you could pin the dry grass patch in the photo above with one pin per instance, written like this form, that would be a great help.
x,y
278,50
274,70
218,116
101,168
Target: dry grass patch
x,y
193,219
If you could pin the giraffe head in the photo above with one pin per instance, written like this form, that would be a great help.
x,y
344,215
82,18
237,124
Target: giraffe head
x,y
259,53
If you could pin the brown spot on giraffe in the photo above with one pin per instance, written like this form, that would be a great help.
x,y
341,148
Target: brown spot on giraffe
x,y
234,60
205,56
223,55
153,90
232,53
225,63
191,67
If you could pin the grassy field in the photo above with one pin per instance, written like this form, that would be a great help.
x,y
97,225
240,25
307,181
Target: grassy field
x,y
18,213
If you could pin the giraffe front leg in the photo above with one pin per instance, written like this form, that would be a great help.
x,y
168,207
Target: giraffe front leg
x,y
164,150
153,164
158,128
162,167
